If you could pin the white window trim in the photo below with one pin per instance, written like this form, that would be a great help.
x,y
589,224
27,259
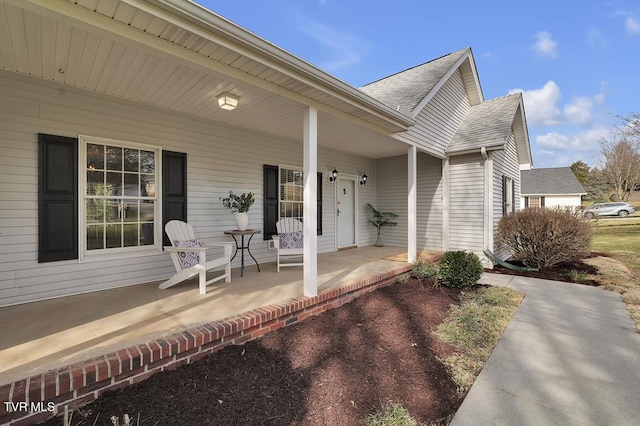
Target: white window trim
x,y
123,252
286,167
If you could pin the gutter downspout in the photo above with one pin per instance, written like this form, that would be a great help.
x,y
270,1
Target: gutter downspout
x,y
488,199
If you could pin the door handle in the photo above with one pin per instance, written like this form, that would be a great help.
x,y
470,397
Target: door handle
x,y
338,212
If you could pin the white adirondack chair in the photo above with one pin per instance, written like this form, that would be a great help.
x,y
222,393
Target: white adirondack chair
x,y
190,256
288,242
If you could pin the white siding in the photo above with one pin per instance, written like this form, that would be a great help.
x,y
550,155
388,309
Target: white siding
x,y
505,163
559,201
466,206
429,202
220,158
392,197
439,120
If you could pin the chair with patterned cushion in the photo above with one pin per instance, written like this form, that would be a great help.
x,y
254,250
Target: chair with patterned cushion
x,y
288,242
189,256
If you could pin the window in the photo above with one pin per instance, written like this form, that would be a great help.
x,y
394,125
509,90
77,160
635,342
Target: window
x,y
508,195
534,202
119,195
290,193
283,197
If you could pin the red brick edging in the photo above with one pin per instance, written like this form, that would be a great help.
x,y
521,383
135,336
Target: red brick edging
x,y
46,395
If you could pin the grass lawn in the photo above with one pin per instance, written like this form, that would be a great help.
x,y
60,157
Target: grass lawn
x,y
620,238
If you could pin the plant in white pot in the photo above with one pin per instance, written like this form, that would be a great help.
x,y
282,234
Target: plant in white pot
x,y
239,204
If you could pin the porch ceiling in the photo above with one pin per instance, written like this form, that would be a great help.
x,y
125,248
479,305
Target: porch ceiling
x,y
175,55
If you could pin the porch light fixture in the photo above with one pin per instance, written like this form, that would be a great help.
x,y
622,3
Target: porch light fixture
x,y
227,101
334,175
363,179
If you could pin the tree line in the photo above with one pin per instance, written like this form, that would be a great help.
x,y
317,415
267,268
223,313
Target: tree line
x,y
619,174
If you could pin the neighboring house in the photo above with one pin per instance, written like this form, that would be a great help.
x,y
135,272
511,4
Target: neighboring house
x,y
551,187
110,126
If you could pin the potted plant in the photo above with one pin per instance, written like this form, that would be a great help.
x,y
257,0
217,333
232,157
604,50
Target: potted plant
x,y
380,219
239,204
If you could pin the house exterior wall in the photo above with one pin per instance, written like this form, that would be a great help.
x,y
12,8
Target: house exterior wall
x,y
440,118
572,201
505,163
220,158
429,203
466,203
392,197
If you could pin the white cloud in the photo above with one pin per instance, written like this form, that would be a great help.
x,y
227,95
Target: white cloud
x,y
545,45
542,106
633,26
578,111
562,149
588,140
595,37
345,50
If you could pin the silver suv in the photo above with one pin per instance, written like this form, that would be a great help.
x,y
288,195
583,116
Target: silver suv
x,y
609,209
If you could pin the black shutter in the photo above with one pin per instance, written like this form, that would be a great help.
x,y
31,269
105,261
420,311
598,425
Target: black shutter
x,y
541,201
526,202
513,195
57,198
319,203
270,210
504,195
174,189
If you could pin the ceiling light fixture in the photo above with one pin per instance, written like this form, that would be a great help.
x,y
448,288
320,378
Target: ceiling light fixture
x,y
227,101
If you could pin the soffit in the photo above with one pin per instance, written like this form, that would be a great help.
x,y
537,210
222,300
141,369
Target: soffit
x,y
139,54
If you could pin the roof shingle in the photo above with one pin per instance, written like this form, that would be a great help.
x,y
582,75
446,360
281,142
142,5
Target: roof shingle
x,y
486,125
548,181
406,89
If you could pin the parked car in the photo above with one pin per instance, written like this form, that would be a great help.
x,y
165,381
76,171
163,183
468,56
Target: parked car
x,y
609,209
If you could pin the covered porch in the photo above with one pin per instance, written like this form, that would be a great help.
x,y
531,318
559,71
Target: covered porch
x,y
69,350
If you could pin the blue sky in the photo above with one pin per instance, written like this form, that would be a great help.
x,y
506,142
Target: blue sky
x,y
577,62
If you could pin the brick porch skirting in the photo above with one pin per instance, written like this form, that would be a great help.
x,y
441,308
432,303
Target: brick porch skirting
x,y
40,397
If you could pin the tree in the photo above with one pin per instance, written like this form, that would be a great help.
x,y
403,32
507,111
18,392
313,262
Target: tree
x,y
592,181
621,153
582,171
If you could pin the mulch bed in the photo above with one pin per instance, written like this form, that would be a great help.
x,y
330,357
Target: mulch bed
x,y
333,369
575,271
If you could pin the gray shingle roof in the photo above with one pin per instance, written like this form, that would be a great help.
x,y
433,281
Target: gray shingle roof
x,y
487,124
557,180
408,88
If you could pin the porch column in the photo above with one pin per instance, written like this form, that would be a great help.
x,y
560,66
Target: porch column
x,y
310,206
445,204
488,201
412,204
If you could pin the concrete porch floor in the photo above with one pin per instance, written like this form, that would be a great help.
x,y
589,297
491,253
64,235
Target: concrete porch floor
x,y
41,336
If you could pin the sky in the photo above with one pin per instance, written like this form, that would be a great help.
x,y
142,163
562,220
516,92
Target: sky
x,y
576,61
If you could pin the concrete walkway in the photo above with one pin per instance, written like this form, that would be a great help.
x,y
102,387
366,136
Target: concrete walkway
x,y
570,356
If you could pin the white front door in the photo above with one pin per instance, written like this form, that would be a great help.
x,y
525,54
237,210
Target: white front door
x,y
346,210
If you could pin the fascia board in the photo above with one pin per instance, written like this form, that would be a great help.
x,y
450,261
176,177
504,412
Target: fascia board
x,y
204,22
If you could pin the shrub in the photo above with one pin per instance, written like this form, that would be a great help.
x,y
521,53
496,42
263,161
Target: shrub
x,y
425,272
459,269
541,237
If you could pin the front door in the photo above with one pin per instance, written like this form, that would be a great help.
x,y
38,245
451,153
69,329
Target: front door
x,y
346,211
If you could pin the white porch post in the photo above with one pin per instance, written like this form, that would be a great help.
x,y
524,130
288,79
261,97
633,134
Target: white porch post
x,y
445,204
310,223
412,204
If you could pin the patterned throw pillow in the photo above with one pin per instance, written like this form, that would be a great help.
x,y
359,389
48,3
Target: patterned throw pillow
x,y
290,240
188,259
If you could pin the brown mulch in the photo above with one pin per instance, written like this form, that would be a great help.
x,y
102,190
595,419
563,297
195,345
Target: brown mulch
x,y
559,272
332,369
